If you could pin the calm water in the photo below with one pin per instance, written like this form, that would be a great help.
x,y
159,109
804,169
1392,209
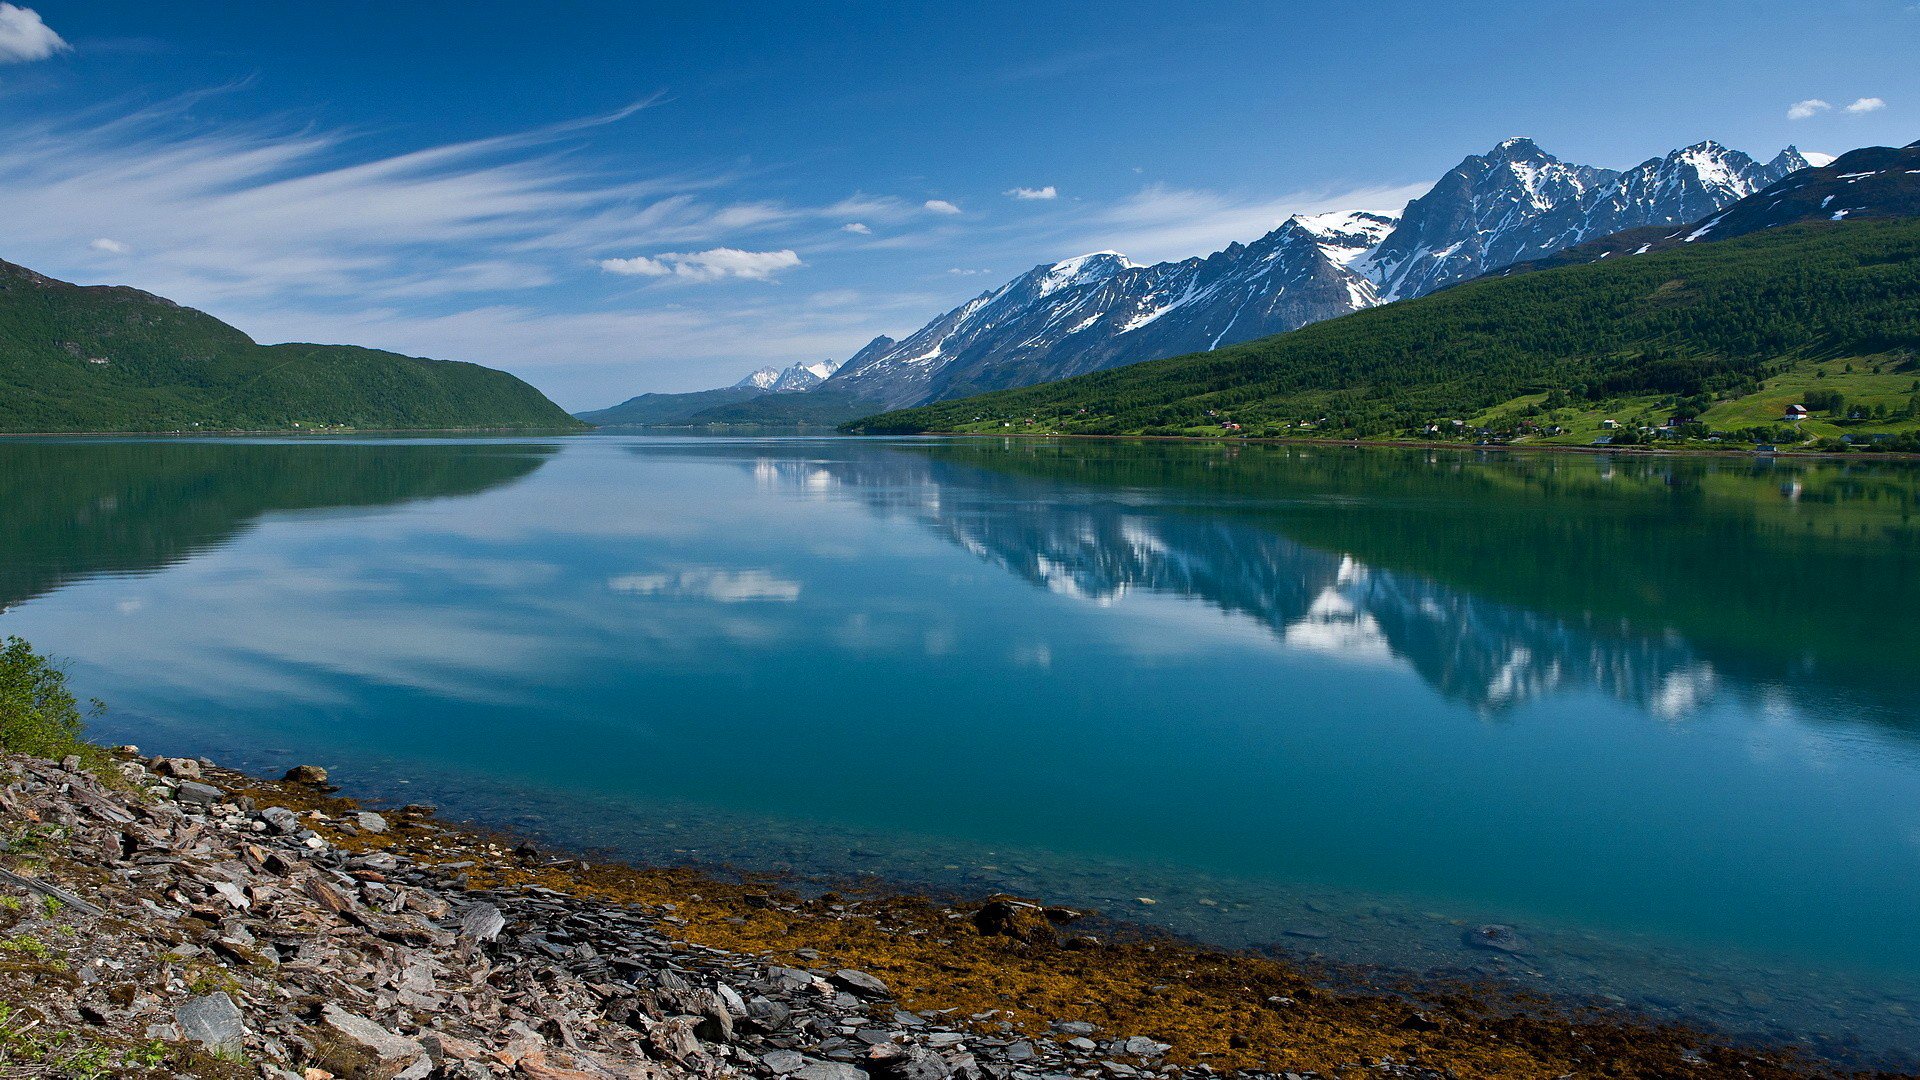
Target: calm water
x,y
1659,716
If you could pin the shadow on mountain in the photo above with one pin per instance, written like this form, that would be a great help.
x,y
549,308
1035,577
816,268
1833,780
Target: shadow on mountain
x,y
80,509
1658,582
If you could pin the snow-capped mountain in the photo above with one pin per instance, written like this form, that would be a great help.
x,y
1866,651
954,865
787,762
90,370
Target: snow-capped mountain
x,y
796,377
1518,202
1100,310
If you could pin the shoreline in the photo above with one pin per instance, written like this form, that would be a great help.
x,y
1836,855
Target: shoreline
x,y
1009,984
1417,444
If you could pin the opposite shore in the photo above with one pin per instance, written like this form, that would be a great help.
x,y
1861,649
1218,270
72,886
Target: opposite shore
x,y
175,917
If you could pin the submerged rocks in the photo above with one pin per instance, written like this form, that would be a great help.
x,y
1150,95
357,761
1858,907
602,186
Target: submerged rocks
x,y
1496,937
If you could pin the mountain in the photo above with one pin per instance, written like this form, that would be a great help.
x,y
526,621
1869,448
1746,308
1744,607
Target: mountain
x,y
111,358
741,403
1100,311
1707,321
1872,182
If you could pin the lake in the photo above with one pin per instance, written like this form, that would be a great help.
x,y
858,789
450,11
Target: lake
x,y
1659,715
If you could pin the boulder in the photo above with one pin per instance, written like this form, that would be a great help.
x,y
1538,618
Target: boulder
x,y
860,983
213,1021
197,794
360,1049
306,774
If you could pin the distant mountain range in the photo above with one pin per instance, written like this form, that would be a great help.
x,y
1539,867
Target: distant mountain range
x,y
1101,310
109,358
1810,277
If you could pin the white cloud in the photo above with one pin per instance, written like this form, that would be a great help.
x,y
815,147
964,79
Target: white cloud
x,y
856,228
23,37
1032,193
711,265
720,586
1866,105
940,206
111,247
961,272
1800,110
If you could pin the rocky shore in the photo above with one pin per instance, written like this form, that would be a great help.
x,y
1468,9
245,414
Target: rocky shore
x,y
175,919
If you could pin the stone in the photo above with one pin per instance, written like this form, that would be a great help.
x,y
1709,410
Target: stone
x,y
860,983
306,774
180,768
1497,938
891,1061
364,1050
197,794
482,922
830,1070
368,822
1143,1047
1020,1051
213,1021
1074,1027
782,1062
281,820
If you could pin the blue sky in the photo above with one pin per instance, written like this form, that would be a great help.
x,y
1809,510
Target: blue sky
x,y
608,198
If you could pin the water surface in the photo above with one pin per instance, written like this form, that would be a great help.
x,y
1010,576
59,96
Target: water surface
x,y
1659,715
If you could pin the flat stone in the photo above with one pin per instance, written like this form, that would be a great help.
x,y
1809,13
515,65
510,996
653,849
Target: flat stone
x,y
197,794
860,983
1020,1051
281,820
1496,938
372,823
377,1054
1074,1027
482,922
782,1062
830,1070
213,1021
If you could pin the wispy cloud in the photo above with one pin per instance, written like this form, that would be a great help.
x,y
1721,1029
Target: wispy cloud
x,y
1801,110
857,228
111,247
25,38
1047,192
1866,105
714,265
940,206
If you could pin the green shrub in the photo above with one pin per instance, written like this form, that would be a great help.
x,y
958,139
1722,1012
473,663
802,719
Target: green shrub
x,y
38,714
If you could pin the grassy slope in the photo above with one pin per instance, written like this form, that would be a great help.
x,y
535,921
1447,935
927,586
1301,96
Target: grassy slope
x,y
1743,321
171,368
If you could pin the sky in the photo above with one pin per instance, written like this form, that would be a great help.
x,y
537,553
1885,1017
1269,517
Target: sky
x,y
610,198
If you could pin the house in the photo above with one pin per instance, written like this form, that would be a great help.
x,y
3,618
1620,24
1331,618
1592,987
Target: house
x,y
1610,424
1796,412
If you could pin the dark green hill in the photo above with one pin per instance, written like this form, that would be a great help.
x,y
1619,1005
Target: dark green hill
x,y
109,358
668,410
1705,323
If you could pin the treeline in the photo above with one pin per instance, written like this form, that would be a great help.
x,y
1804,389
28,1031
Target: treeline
x,y
1705,321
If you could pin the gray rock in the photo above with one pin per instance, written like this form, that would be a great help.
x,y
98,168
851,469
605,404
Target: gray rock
x,y
372,823
1141,1046
1497,938
378,1054
782,1062
1074,1027
213,1021
890,1061
1020,1051
830,1070
197,794
306,774
281,820
482,922
860,983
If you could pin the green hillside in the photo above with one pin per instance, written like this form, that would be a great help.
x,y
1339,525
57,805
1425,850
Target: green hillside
x,y
1726,333
76,358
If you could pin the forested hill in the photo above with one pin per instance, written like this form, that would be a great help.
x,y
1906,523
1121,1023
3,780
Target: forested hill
x,y
108,358
1712,323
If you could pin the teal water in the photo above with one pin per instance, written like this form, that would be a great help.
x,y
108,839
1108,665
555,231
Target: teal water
x,y
1660,716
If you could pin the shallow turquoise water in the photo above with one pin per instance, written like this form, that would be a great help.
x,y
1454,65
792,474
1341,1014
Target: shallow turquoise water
x,y
1659,716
